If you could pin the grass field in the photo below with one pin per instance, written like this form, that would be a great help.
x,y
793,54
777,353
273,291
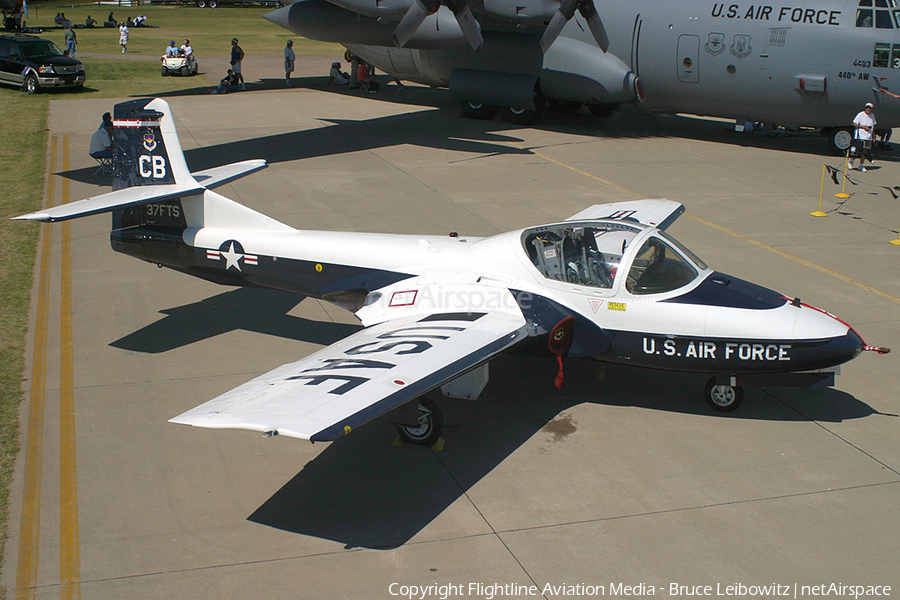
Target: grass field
x,y
23,146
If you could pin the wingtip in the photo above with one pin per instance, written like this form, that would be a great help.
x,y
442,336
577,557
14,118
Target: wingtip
x,y
32,217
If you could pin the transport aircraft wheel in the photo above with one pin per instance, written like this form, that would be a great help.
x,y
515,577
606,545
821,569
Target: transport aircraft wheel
x,y
725,398
839,139
213,3
31,84
201,3
477,110
564,106
430,427
522,116
602,110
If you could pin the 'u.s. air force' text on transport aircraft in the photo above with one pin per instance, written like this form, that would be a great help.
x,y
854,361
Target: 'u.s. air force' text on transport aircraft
x,y
810,64
607,283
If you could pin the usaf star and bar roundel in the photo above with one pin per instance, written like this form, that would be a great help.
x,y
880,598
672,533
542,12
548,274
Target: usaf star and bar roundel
x,y
234,254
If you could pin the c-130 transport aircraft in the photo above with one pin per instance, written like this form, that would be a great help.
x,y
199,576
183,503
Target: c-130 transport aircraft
x,y
812,64
607,283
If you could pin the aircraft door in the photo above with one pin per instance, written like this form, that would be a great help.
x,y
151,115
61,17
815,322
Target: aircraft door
x,y
688,56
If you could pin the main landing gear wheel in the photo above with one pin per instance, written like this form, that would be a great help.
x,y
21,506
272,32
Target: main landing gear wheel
x,y
839,139
724,398
477,110
430,427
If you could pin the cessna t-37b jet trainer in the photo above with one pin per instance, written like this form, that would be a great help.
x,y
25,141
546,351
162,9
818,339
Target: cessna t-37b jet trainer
x,y
607,283
810,64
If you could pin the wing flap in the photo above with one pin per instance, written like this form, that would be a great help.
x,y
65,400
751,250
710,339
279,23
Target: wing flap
x,y
361,377
657,213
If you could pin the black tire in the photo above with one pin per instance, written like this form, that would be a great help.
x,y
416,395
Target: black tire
x,y
565,106
164,71
520,116
477,110
213,3
602,110
185,71
201,3
724,398
430,428
839,139
30,85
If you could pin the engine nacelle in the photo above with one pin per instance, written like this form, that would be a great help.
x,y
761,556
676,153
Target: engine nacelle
x,y
580,72
387,9
521,11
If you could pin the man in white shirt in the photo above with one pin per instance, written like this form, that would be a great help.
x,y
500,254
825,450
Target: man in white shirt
x,y
864,131
101,141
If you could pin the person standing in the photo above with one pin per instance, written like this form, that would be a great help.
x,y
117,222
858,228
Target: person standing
x,y
123,36
71,39
864,125
237,55
289,58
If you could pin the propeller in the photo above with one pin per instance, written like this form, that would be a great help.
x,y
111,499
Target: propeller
x,y
420,9
565,13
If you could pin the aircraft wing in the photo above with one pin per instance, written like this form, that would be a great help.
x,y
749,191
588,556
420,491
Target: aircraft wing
x,y
657,213
361,377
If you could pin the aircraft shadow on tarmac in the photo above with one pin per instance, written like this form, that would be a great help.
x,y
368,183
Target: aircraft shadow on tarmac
x,y
630,121
363,492
443,129
250,309
429,129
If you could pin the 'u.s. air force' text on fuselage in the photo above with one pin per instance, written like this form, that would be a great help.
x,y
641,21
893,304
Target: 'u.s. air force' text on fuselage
x,y
783,14
708,349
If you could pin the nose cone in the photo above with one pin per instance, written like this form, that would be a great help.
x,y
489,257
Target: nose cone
x,y
281,17
824,340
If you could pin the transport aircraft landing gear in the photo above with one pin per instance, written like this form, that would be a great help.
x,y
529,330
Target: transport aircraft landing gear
x,y
725,398
839,139
477,110
429,428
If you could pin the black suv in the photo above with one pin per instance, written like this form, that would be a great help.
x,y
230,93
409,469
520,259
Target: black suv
x,y
35,63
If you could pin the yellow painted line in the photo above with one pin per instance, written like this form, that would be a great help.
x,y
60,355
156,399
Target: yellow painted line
x,y
30,528
586,174
797,259
69,544
782,253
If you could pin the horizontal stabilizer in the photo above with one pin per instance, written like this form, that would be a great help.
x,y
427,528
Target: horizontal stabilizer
x,y
656,213
213,178
361,377
126,198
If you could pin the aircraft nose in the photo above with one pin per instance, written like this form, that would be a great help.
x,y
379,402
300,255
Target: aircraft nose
x,y
831,341
281,16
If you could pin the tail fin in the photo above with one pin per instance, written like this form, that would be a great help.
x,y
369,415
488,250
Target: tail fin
x,y
149,167
147,149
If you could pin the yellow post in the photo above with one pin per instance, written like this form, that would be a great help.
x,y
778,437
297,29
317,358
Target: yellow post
x,y
846,162
819,212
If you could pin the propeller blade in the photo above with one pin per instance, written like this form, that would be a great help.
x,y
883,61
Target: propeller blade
x,y
554,28
467,22
589,12
557,22
413,19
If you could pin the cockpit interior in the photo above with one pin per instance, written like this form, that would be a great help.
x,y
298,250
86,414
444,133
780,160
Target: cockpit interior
x,y
592,255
